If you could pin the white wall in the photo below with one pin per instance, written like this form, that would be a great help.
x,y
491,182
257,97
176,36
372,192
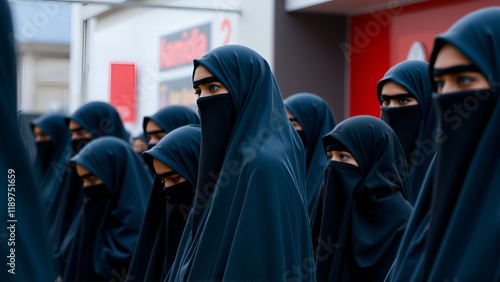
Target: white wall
x,y
133,34
257,27
292,5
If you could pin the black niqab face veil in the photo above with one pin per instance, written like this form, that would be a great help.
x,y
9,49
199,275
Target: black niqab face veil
x,y
463,229
415,125
405,121
217,119
365,208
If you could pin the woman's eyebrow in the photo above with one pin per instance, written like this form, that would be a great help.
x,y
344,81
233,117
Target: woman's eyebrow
x,y
455,69
167,174
397,96
87,175
205,81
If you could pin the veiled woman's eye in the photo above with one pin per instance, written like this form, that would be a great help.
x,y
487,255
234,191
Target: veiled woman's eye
x,y
403,101
464,79
438,85
214,87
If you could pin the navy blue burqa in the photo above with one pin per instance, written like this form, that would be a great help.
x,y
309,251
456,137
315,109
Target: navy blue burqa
x,y
111,214
51,182
253,224
172,117
30,257
365,209
410,256
462,238
166,215
414,76
99,119
316,119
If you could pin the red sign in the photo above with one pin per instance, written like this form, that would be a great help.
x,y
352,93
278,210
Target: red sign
x,y
122,89
180,48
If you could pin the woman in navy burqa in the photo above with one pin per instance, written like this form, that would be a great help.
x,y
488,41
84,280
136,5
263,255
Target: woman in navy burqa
x,y
249,220
365,201
115,188
174,160
312,118
53,142
405,96
462,227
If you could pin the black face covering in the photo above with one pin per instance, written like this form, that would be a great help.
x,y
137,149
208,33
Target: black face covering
x,y
462,117
302,137
405,122
150,146
175,192
344,178
217,116
45,153
78,144
95,199
340,182
179,202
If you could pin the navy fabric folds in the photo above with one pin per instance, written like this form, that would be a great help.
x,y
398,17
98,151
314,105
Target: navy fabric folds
x,y
24,243
316,119
253,225
166,215
111,213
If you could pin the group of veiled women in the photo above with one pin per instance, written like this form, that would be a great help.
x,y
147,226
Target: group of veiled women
x,y
254,188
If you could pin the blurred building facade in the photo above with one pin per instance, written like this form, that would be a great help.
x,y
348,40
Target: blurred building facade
x,y
42,34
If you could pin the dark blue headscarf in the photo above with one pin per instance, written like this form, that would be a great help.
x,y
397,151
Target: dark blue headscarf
x,y
365,208
100,119
254,223
316,119
165,218
30,259
414,76
111,217
172,117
